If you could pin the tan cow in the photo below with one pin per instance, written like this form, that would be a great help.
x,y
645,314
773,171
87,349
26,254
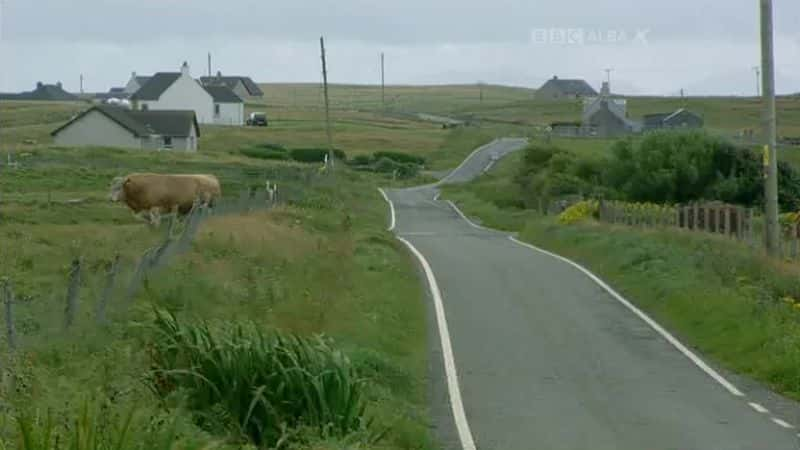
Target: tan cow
x,y
152,194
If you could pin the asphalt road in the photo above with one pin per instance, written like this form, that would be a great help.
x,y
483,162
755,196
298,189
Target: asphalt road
x,y
546,359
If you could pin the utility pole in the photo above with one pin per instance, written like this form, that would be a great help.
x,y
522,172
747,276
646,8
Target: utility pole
x,y
327,107
770,131
81,83
608,75
480,90
209,64
757,69
383,83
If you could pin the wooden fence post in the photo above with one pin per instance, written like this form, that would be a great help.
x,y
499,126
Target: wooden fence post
x,y
695,216
108,290
728,221
8,301
73,289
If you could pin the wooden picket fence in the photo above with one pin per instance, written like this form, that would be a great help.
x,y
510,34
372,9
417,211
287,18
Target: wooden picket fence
x,y
732,221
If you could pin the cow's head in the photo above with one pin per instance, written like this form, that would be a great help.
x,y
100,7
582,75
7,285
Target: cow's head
x,y
117,191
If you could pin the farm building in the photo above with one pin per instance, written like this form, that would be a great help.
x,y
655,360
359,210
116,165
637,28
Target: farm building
x,y
175,91
113,126
682,118
608,119
43,92
564,89
244,87
228,107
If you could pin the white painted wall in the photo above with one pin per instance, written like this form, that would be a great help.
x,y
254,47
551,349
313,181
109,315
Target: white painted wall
x,y
230,114
184,94
95,129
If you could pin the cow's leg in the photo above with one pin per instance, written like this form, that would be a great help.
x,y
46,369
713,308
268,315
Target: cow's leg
x,y
155,217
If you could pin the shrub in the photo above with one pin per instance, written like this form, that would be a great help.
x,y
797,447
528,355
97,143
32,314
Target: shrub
x,y
315,155
360,160
385,165
579,212
401,157
261,153
265,385
272,146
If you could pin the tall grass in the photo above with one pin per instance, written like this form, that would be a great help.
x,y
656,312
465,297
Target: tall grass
x,y
265,385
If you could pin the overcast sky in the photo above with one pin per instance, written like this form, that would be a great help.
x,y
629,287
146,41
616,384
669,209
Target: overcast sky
x,y
702,46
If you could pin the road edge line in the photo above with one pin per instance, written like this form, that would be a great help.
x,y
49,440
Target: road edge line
x,y
453,388
474,152
391,209
467,219
643,316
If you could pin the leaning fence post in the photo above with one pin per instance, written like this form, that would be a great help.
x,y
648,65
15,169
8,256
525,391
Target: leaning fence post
x,y
108,290
73,289
8,301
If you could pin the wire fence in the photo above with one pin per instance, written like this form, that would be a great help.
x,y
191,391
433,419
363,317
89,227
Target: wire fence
x,y
120,282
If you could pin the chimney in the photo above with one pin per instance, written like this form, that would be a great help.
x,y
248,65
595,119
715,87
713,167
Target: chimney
x,y
606,90
555,77
59,85
133,74
219,74
185,69
39,85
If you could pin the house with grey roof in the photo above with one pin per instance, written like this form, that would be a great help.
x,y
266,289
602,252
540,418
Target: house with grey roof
x,y
118,127
680,119
43,92
175,91
244,87
564,89
135,83
228,107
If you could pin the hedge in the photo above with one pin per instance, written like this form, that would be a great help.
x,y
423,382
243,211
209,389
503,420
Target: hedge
x,y
310,155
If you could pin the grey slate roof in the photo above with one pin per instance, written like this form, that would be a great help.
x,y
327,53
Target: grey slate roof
x,y
572,87
142,80
43,92
144,123
223,94
156,86
230,82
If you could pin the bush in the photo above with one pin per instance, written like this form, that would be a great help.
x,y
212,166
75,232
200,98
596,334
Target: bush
x,y
579,212
360,160
400,157
315,155
261,153
272,146
265,386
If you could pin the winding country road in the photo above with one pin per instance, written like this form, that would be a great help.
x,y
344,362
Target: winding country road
x,y
540,356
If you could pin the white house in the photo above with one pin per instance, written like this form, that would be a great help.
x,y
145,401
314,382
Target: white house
x,y
244,87
135,83
118,127
175,91
228,107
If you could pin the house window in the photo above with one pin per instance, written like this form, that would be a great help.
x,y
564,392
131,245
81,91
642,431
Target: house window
x,y
167,142
145,107
216,109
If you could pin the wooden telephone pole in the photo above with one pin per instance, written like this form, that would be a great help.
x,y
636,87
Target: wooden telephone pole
x,y
383,83
327,103
770,131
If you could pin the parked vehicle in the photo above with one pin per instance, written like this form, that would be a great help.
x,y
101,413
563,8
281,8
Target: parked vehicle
x,y
257,119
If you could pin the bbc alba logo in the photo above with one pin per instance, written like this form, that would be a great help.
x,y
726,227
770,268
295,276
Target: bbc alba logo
x,y
584,36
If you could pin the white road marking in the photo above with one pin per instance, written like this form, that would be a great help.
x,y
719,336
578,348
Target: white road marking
x,y
758,408
391,208
457,404
653,324
488,167
436,197
475,152
466,219
782,423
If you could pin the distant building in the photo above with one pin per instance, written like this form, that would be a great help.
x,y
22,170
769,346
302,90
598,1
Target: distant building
x,y
175,91
43,92
244,87
564,89
228,107
135,83
680,119
112,126
607,120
